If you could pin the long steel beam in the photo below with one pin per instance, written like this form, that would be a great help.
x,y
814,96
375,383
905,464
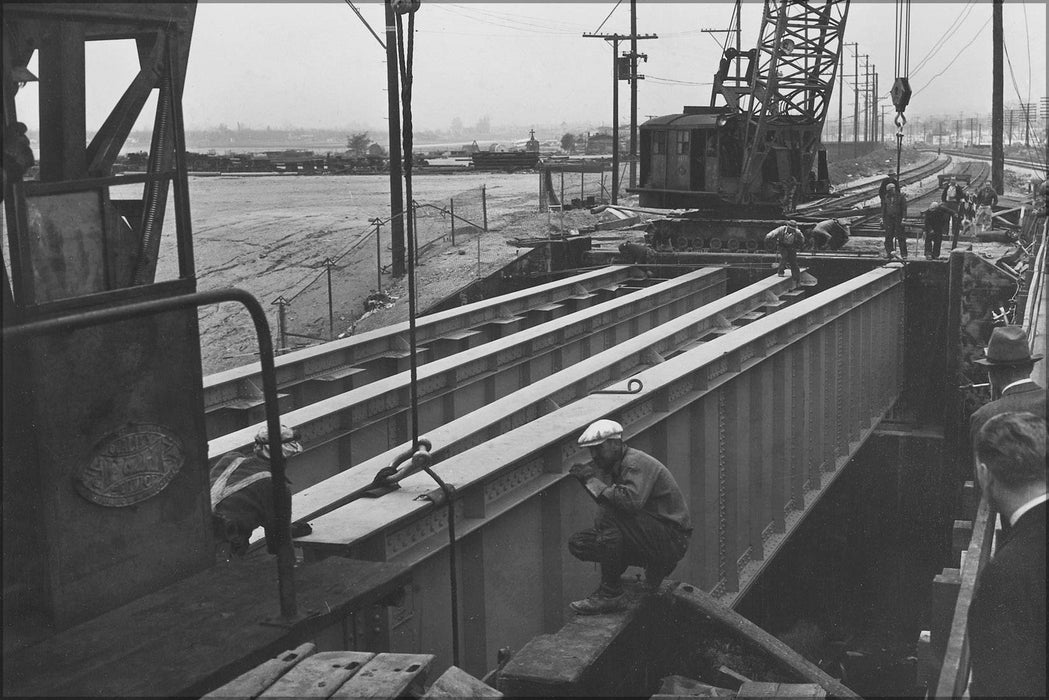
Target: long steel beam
x,y
559,389
351,427
232,398
754,426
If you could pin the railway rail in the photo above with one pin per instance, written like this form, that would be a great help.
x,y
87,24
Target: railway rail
x,y
1015,162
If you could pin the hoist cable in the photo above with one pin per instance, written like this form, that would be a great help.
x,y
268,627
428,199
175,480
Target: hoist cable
x,y
404,63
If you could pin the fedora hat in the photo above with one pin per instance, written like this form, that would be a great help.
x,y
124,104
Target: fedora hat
x,y
1008,346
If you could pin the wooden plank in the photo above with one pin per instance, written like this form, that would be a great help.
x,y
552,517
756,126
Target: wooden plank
x,y
756,689
702,603
955,671
388,676
319,675
255,681
681,686
457,683
206,629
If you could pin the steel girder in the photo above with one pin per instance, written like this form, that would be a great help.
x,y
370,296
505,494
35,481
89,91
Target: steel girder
x,y
754,426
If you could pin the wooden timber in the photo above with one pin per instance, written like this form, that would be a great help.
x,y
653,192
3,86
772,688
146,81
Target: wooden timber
x,y
197,634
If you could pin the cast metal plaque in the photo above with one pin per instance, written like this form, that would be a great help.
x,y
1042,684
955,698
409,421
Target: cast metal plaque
x,y
130,465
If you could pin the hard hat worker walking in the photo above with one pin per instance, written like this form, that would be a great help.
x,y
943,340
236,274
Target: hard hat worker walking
x,y
642,518
787,240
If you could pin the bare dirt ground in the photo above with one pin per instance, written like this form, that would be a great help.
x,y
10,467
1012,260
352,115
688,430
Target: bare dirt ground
x,y
270,236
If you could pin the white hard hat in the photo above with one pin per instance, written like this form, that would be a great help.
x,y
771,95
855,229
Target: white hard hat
x,y
599,431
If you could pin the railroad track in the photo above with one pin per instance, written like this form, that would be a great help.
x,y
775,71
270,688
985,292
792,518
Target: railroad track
x,y
840,207
1032,165
869,223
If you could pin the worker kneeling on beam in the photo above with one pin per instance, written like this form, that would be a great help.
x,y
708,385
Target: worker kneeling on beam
x,y
242,491
642,518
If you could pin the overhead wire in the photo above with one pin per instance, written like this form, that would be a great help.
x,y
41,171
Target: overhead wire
x,y
947,35
1025,109
606,18
956,57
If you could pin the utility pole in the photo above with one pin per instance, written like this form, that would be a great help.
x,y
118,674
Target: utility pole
x,y
616,77
841,93
856,94
841,89
393,92
876,109
866,97
633,93
997,98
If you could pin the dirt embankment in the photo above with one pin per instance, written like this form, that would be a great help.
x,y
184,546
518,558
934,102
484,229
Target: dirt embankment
x,y
271,235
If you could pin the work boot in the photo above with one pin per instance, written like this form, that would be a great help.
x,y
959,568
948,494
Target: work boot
x,y
653,579
600,602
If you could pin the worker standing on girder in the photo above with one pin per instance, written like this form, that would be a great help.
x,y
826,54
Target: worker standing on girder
x,y
936,220
788,240
893,209
953,196
643,519
986,198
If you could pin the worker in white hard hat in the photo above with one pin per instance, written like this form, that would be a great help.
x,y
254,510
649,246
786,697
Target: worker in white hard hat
x,y
643,519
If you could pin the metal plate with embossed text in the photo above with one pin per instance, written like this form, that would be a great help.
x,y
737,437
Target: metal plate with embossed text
x,y
130,465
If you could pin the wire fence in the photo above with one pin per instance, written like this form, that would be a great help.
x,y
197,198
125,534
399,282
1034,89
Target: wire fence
x,y
327,303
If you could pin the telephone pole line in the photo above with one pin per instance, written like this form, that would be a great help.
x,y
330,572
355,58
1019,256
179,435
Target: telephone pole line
x,y
393,93
997,98
631,65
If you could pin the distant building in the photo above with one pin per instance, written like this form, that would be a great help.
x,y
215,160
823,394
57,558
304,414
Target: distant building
x,y
599,144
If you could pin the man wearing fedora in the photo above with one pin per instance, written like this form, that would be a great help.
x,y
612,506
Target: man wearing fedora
x,y
1009,363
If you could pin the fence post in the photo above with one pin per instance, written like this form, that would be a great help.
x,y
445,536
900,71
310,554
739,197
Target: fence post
x,y
451,208
415,231
329,263
281,302
484,206
378,253
478,256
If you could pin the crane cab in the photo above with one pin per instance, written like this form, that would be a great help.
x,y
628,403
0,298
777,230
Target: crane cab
x,y
695,160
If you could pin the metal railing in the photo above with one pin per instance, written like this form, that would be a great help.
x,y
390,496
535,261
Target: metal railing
x,y
281,532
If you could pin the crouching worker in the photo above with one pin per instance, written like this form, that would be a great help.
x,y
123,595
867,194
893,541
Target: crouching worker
x,y
642,518
788,240
242,492
829,234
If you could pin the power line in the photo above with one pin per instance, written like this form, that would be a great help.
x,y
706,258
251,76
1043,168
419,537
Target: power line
x,y
956,57
945,37
598,30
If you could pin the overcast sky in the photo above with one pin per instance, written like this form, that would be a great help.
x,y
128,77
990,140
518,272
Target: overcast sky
x,y
316,65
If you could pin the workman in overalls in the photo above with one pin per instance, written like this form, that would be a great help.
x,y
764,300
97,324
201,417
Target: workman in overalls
x,y
893,209
953,196
788,240
242,492
986,199
642,519
936,221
